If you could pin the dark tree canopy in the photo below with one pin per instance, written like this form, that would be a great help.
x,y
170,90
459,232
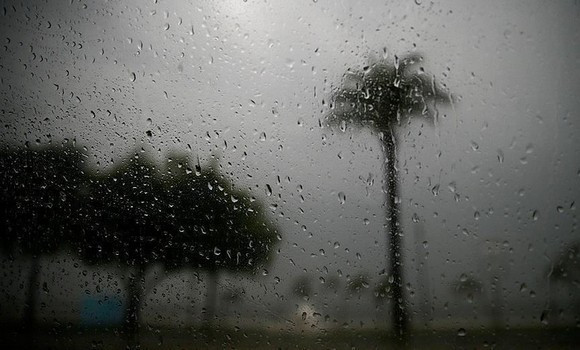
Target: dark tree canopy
x,y
358,283
123,215
302,287
40,197
215,226
384,93
175,216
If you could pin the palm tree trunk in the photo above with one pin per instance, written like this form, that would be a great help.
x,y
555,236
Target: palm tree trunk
x,y
211,298
134,291
395,257
31,295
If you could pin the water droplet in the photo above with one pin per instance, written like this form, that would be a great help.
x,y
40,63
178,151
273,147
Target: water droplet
x,y
415,218
544,317
535,215
217,251
452,187
435,190
500,156
461,332
336,245
474,146
132,77
341,197
529,149
263,136
476,215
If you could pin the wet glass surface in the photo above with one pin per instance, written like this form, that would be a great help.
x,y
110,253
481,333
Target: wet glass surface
x,y
275,174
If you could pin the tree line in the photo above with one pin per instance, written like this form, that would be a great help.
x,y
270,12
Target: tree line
x,y
136,215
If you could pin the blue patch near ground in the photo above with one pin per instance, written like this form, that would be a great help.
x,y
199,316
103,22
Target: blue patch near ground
x,y
102,310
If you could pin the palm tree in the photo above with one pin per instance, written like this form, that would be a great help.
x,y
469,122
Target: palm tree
x,y
302,287
382,96
467,285
357,284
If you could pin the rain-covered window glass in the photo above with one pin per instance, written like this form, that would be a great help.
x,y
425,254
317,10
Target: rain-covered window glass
x,y
289,174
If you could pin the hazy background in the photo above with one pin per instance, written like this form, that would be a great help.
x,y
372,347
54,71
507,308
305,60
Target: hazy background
x,y
250,82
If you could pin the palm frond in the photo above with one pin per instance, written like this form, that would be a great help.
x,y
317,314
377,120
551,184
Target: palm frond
x,y
384,93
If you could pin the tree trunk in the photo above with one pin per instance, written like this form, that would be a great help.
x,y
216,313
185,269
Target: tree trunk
x,y
211,299
29,318
134,292
395,257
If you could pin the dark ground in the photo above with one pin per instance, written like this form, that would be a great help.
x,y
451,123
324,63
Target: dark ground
x,y
62,337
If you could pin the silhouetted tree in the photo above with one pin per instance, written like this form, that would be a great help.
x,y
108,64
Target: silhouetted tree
x,y
124,216
302,287
215,226
566,267
565,272
39,201
332,284
467,285
383,96
357,284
